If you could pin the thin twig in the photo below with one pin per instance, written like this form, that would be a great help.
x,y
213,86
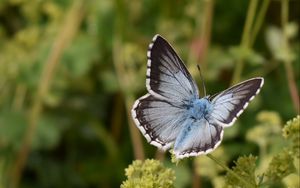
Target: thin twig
x,y
196,176
288,61
245,40
259,21
118,61
292,86
205,39
135,135
206,30
116,119
65,36
19,97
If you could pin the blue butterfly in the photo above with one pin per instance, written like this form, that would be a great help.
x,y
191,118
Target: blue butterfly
x,y
173,114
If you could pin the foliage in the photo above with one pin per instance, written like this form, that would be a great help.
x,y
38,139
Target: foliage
x,y
291,132
148,174
71,70
245,168
281,165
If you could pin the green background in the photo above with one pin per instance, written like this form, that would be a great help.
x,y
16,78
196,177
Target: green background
x,y
71,70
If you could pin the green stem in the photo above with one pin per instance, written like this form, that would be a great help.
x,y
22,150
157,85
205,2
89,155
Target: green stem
x,y
260,18
245,40
284,15
72,22
249,22
19,97
123,77
247,184
129,99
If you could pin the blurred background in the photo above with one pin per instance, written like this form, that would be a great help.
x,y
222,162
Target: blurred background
x,y
71,70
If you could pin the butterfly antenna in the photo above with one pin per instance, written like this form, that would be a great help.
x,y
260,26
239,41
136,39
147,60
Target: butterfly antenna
x,y
203,84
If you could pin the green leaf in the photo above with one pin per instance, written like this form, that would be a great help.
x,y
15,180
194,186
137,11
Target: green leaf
x,y
246,54
12,127
80,55
47,134
277,45
109,81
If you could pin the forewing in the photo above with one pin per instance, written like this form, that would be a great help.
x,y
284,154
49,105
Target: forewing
x,y
229,104
197,137
159,121
167,76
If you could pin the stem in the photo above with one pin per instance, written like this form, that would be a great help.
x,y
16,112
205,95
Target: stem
x,y
249,22
260,18
200,44
135,135
206,30
196,176
267,68
292,86
72,22
201,56
19,97
116,119
123,78
284,15
118,61
245,40
159,155
107,140
288,61
247,184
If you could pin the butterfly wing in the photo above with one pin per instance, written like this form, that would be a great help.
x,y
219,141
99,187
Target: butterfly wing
x,y
159,120
203,136
167,76
229,104
197,137
159,114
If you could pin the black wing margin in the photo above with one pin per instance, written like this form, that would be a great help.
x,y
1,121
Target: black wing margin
x,y
230,104
167,76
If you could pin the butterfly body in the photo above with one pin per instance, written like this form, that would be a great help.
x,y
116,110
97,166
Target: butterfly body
x,y
199,108
172,114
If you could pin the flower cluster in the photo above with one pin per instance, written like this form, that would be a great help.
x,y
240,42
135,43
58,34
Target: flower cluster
x,y
148,174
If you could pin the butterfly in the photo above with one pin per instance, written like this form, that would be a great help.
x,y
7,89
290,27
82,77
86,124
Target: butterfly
x,y
173,114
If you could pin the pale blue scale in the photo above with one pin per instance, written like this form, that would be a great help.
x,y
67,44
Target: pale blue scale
x,y
199,109
196,126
